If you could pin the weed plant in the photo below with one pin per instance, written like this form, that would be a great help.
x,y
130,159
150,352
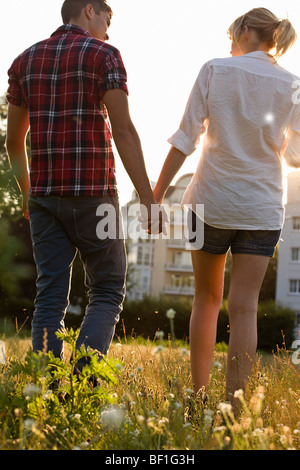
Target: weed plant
x,y
141,398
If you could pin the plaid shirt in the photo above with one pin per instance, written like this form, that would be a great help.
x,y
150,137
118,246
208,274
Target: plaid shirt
x,y
62,81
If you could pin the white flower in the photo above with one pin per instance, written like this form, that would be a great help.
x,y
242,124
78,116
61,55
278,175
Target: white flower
x,y
239,394
189,391
177,405
184,352
112,417
170,313
218,365
31,390
158,349
160,334
162,421
225,408
29,424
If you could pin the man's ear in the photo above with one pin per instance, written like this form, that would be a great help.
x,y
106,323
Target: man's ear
x,y
89,11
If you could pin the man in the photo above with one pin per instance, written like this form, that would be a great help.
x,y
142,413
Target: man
x,y
63,88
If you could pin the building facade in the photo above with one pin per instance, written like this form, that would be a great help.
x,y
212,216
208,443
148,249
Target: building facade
x,y
288,268
159,264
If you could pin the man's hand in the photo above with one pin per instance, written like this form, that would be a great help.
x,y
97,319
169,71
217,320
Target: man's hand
x,y
153,219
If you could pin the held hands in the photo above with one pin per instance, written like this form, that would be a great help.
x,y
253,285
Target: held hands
x,y
153,219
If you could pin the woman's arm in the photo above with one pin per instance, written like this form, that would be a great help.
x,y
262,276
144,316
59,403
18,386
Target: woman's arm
x,y
173,163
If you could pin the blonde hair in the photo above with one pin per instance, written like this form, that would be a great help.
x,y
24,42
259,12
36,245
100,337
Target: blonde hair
x,y
276,33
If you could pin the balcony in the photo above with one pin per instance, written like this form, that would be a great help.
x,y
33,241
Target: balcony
x,y
177,243
187,268
179,290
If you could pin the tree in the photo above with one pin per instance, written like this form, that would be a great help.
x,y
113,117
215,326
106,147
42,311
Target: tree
x,y
17,270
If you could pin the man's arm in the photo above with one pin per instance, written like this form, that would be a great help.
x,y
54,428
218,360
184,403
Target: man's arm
x,y
17,128
129,146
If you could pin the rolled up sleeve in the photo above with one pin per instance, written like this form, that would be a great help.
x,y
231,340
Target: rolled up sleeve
x,y
193,125
14,93
112,73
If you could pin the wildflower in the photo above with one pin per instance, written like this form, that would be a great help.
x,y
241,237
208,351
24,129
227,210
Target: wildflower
x,y
239,394
158,349
170,313
220,429
31,391
162,421
186,425
246,422
237,428
160,334
189,391
217,365
256,401
184,352
177,405
77,416
259,422
269,432
208,417
29,424
112,417
225,408
257,432
2,353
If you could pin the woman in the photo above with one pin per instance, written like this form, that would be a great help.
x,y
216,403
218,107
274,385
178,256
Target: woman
x,y
244,106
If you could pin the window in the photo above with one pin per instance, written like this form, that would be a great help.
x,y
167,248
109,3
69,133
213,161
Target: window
x,y
295,286
295,254
140,255
296,223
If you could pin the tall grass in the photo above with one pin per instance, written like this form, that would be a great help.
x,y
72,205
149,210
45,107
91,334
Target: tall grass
x,y
143,401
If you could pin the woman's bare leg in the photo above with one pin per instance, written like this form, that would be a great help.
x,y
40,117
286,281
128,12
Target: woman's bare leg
x,y
248,272
209,281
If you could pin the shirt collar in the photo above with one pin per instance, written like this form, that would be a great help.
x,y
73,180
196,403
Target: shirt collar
x,y
71,29
261,55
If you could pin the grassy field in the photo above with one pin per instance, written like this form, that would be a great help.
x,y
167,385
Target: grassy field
x,y
143,401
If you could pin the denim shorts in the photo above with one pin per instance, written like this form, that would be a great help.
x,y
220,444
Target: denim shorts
x,y
218,241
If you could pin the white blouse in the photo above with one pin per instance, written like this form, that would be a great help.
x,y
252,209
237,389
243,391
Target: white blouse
x,y
248,108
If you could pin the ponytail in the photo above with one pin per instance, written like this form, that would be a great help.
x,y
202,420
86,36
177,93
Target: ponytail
x,y
277,34
284,37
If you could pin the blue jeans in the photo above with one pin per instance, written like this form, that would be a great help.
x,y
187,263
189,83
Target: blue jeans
x,y
61,227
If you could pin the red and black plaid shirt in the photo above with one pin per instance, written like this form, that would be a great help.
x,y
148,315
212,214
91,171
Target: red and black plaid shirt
x,y
62,81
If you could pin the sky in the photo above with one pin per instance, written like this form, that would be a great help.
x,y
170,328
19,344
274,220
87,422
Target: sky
x,y
163,46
